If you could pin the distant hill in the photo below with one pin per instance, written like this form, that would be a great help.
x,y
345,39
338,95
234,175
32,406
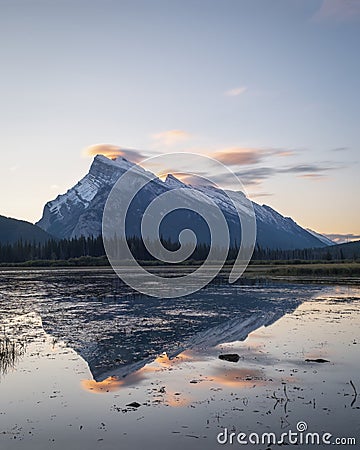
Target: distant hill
x,y
350,250
12,230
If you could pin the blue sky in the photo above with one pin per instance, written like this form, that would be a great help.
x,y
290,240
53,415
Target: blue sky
x,y
274,84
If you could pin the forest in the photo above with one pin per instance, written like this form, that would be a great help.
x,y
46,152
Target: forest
x,y
91,249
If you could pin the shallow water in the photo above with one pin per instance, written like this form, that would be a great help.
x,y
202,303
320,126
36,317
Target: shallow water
x,y
77,332
99,317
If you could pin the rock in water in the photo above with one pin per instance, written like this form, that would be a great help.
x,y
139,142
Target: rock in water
x,y
134,405
318,360
232,357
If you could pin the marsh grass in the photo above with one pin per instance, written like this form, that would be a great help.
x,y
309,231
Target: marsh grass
x,y
332,270
10,353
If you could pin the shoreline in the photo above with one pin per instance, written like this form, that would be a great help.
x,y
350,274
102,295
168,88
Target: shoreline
x,y
330,273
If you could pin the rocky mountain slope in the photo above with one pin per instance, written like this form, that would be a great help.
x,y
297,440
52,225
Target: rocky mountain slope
x,y
79,211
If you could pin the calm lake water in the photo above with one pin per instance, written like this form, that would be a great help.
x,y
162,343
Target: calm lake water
x,y
72,335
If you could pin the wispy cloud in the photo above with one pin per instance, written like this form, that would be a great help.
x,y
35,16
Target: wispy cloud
x,y
236,91
338,11
256,175
114,151
284,153
312,176
171,137
313,172
240,156
260,194
342,238
306,169
194,180
249,177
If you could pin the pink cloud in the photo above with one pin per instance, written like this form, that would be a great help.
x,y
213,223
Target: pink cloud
x,y
114,151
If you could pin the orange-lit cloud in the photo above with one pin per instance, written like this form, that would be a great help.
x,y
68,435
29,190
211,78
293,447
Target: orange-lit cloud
x,y
236,91
171,137
194,180
241,156
114,151
312,176
238,156
285,153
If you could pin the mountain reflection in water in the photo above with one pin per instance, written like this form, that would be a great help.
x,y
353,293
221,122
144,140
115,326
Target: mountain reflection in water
x,y
117,331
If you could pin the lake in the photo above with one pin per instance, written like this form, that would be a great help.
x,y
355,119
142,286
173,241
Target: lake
x,y
87,363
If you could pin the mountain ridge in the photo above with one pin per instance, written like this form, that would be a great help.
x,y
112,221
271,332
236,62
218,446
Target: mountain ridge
x,y
13,230
79,211
322,238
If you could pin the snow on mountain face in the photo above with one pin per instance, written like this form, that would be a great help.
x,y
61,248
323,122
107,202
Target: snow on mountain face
x,y
173,182
273,229
79,211
62,214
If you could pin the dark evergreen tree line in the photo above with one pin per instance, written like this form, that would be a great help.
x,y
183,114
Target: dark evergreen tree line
x,y
52,249
65,249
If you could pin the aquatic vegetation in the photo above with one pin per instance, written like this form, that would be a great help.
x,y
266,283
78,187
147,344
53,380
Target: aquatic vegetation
x,y
10,353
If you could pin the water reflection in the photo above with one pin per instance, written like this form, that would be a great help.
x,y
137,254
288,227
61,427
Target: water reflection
x,y
116,382
187,395
238,377
220,375
118,331
110,384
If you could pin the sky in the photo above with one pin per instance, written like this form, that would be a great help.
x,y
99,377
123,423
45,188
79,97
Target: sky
x,y
269,88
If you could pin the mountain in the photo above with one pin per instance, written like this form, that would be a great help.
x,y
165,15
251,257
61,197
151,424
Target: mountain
x,y
12,230
322,238
79,211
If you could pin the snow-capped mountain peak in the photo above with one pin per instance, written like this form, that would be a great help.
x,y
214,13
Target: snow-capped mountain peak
x,y
79,211
173,182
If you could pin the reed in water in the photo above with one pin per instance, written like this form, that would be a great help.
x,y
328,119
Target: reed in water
x,y
10,352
